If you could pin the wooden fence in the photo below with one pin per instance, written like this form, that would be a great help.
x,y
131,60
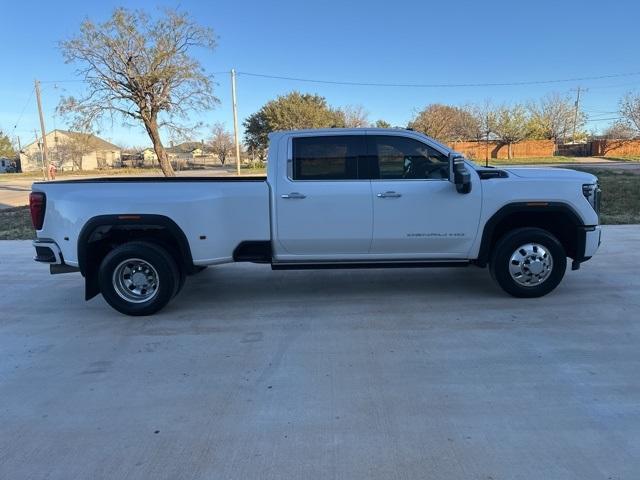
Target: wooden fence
x,y
615,148
524,149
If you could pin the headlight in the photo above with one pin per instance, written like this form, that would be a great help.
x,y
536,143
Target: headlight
x,y
592,193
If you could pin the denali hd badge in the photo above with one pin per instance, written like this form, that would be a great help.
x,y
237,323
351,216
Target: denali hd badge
x,y
434,234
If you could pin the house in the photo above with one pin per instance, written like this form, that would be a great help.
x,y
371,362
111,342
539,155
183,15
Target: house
x,y
187,151
149,156
194,154
139,158
71,151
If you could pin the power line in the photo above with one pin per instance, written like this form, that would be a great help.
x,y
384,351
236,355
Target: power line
x,y
439,85
603,119
62,81
600,112
15,125
597,117
79,80
632,84
416,85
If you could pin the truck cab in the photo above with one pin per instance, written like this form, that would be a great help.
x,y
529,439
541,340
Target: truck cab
x,y
368,196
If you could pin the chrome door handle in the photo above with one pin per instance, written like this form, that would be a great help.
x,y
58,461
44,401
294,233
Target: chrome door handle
x,y
389,195
293,195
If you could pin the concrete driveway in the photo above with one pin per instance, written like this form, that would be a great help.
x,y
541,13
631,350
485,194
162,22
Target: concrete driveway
x,y
372,374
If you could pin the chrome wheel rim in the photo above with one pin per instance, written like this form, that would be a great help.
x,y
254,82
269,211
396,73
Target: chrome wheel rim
x,y
530,265
135,280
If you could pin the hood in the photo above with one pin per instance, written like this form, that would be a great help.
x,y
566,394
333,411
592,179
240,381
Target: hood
x,y
552,174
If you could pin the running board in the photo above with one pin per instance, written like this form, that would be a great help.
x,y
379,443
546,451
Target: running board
x,y
328,265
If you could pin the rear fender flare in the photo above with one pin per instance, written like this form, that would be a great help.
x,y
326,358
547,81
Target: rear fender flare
x,y
137,221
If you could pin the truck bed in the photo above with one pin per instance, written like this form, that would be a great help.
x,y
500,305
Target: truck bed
x,y
216,214
159,179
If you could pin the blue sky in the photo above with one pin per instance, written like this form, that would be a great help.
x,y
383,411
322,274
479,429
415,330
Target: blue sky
x,y
372,41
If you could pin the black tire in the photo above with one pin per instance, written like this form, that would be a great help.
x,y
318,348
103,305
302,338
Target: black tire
x,y
182,277
509,245
158,258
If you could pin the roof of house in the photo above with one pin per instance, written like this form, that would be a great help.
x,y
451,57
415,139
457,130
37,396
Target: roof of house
x,y
186,147
91,140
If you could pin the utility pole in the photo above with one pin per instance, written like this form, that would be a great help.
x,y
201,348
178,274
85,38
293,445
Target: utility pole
x,y
575,115
45,158
486,152
235,117
39,143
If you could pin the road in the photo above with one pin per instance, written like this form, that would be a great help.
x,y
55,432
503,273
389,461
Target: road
x,y
14,193
376,374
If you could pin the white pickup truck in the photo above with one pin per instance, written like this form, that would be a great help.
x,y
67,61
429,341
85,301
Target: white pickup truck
x,y
334,198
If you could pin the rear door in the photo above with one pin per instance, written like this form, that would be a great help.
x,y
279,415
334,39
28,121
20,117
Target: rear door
x,y
417,212
323,202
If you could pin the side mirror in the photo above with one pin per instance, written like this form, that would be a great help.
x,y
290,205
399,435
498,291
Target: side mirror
x,y
459,174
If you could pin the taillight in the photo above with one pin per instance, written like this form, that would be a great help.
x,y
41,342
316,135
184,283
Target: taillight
x,y
37,204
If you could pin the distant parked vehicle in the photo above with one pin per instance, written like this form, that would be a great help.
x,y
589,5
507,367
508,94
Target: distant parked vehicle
x,y
7,166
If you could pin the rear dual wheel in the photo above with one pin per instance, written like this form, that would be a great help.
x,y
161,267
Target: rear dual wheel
x,y
139,278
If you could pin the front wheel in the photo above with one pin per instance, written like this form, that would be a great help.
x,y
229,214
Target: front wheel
x,y
528,262
138,278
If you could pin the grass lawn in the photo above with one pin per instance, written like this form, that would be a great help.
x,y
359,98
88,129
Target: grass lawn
x,y
620,196
256,172
15,224
7,177
551,160
526,161
623,158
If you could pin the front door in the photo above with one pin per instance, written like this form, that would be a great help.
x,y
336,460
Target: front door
x,y
417,212
323,203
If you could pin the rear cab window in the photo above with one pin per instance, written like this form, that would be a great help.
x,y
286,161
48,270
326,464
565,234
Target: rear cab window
x,y
329,157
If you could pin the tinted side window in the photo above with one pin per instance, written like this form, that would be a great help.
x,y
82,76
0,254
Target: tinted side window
x,y
328,157
406,158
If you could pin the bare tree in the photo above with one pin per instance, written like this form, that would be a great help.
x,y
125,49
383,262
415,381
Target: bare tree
x,y
446,123
472,122
142,71
553,116
74,148
435,120
620,130
355,116
221,142
630,110
510,125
